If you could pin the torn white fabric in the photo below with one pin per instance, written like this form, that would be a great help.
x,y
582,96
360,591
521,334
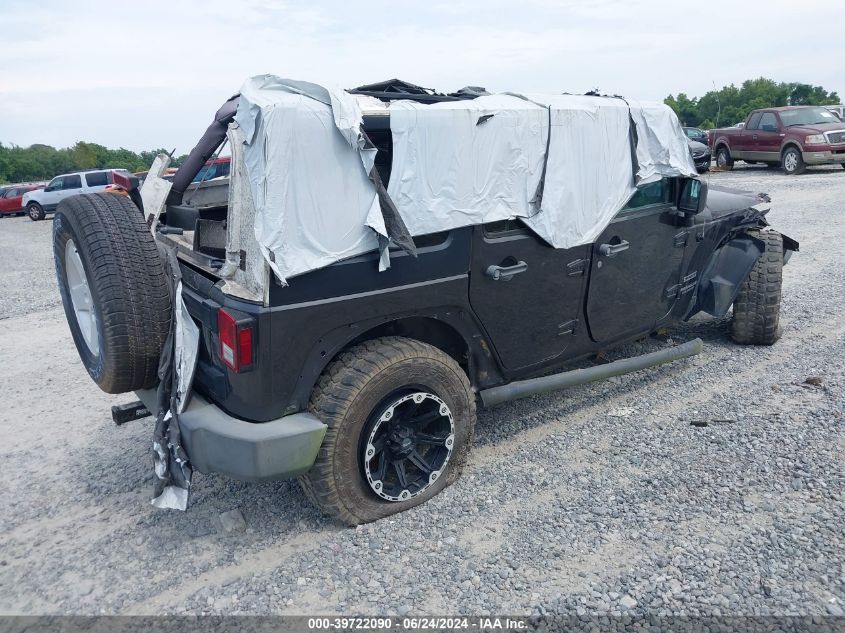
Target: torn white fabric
x,y
662,148
187,337
460,163
154,191
564,164
303,149
456,165
589,170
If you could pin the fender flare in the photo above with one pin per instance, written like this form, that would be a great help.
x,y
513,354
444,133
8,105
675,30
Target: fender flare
x,y
481,364
728,267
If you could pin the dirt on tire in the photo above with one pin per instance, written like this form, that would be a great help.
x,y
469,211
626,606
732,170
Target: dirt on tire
x,y
345,397
756,317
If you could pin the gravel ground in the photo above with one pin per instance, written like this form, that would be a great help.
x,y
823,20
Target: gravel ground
x,y
600,499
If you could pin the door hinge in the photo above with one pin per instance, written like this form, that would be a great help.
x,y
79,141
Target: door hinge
x,y
567,328
680,240
577,268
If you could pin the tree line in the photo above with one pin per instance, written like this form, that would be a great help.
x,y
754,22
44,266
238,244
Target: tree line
x,y
42,162
730,105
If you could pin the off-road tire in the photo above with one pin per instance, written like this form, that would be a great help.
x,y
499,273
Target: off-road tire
x,y
128,285
35,211
800,166
724,160
345,398
756,315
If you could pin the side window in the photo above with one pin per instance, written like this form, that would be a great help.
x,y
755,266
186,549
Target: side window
x,y
97,178
768,122
504,227
72,182
652,194
754,121
55,184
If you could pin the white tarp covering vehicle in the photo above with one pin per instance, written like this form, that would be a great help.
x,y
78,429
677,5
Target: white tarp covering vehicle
x,y
454,164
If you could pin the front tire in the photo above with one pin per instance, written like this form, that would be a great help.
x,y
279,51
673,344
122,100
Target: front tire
x,y
724,160
401,416
793,162
35,211
756,317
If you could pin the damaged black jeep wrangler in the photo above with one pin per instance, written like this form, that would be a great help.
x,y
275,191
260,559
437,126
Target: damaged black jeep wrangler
x,y
362,382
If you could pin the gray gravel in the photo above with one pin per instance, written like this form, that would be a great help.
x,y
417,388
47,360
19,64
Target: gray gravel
x,y
601,499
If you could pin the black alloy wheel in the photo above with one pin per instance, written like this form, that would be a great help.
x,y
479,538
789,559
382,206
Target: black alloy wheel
x,y
407,444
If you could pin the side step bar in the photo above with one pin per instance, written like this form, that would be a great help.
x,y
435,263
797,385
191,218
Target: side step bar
x,y
544,384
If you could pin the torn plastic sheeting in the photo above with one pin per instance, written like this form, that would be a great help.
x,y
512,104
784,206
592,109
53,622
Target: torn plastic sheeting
x,y
589,170
186,348
467,162
500,156
171,465
662,146
308,168
565,164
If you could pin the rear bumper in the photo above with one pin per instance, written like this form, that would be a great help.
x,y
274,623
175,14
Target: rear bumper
x,y
250,451
826,157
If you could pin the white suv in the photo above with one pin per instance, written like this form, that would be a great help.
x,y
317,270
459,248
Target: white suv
x,y
40,202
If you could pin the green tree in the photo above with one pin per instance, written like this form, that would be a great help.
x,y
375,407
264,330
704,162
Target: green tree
x,y
42,162
730,105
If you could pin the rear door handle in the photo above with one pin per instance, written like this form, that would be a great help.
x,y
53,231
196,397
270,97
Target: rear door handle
x,y
609,250
505,273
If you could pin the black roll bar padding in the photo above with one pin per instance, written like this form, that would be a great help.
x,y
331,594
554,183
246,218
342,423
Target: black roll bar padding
x,y
203,150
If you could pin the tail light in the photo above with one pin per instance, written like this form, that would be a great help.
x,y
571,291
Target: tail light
x,y
236,341
127,181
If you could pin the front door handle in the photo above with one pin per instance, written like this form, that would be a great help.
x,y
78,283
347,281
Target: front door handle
x,y
505,273
609,250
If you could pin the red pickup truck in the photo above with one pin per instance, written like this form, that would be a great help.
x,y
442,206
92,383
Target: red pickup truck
x,y
792,137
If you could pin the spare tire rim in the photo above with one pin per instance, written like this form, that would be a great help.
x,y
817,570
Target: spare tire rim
x,y
80,298
409,446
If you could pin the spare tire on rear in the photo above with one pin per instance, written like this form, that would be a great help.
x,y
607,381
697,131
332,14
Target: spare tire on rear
x,y
114,289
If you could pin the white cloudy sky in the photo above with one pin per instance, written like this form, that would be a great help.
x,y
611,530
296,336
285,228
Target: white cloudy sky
x,y
150,73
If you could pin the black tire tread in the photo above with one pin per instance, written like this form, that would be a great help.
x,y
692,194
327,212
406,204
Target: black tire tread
x,y
335,391
131,283
756,315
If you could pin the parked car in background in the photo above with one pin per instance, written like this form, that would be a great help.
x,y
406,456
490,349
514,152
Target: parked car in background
x,y
11,198
838,110
215,168
701,155
39,202
696,134
792,137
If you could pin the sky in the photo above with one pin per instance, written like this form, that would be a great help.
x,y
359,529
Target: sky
x,y
150,74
